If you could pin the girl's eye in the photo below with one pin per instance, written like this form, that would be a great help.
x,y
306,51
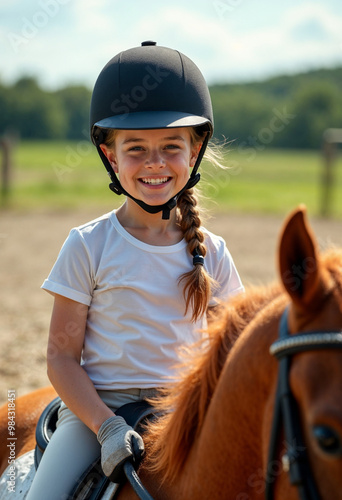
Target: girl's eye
x,y
172,146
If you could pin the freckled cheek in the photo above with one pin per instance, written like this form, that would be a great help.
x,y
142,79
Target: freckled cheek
x,y
183,169
127,170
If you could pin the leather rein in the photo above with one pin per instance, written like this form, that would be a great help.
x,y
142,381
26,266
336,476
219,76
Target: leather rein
x,y
286,413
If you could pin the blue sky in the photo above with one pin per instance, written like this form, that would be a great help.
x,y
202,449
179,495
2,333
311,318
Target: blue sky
x,y
69,41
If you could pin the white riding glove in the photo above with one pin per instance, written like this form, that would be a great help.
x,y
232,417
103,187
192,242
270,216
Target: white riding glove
x,y
119,442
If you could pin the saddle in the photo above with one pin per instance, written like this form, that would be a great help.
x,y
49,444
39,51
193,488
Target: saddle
x,y
93,481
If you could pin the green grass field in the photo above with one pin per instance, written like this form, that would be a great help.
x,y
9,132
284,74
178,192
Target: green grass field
x,y
63,175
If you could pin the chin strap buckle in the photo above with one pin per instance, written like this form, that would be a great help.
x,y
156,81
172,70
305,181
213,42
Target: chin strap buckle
x,y
167,208
115,188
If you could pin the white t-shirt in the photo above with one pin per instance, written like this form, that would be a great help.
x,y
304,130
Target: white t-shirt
x,y
136,323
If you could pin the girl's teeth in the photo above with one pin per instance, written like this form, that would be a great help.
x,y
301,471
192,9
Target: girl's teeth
x,y
155,181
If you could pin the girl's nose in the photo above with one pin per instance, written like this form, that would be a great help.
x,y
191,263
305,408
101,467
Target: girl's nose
x,y
155,160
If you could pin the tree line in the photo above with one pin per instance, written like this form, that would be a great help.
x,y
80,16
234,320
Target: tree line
x,y
285,111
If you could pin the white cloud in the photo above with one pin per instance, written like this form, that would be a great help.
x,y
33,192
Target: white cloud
x,y
74,41
224,51
91,18
281,47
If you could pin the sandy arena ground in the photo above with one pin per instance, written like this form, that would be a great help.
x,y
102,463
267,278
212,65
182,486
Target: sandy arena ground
x,y
29,244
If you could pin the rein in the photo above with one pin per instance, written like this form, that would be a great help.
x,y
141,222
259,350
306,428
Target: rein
x,y
286,412
135,482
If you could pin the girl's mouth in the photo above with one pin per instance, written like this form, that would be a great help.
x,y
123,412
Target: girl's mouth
x,y
155,181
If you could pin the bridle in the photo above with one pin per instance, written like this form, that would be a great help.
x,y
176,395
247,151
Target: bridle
x,y
286,415
286,412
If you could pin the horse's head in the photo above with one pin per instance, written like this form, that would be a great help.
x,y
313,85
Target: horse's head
x,y
314,285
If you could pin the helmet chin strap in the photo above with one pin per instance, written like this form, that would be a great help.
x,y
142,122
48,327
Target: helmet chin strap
x,y
165,208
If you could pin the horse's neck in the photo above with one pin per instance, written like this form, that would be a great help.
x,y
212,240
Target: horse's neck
x,y
235,420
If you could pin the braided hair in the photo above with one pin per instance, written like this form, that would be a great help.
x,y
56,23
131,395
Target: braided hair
x,y
197,283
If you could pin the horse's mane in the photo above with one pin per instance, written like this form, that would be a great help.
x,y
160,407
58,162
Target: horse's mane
x,y
168,440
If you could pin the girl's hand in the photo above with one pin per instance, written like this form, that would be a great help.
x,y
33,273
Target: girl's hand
x,y
119,443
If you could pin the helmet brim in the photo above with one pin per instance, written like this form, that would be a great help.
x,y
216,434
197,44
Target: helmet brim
x,y
152,120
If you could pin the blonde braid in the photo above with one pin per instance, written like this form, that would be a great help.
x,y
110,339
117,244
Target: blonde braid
x,y
197,282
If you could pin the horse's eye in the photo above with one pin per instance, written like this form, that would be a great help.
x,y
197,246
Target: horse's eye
x,y
327,439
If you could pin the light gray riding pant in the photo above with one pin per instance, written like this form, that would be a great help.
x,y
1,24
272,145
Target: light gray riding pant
x,y
73,447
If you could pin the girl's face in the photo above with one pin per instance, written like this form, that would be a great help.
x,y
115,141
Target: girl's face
x,y
152,165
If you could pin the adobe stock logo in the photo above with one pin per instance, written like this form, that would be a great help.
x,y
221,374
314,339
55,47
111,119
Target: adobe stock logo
x,y
295,276
30,27
130,101
224,7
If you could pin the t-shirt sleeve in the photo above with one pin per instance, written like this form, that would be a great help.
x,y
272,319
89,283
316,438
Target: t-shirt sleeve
x,y
225,274
71,275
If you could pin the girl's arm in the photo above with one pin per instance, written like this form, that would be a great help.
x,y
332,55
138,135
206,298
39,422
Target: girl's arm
x,y
67,330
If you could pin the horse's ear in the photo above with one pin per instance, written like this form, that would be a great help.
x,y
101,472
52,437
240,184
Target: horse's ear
x,y
298,261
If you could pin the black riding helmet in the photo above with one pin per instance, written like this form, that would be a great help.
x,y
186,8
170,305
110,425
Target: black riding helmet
x,y
150,87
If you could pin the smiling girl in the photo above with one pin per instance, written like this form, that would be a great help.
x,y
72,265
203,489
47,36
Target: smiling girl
x,y
153,165
135,285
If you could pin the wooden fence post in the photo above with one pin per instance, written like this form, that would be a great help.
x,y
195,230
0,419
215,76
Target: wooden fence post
x,y
6,146
331,137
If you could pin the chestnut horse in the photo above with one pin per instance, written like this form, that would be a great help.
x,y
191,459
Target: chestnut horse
x,y
215,443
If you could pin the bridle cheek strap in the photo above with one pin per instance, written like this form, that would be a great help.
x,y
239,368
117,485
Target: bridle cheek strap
x,y
286,412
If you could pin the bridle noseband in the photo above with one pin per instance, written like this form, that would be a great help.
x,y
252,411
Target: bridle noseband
x,y
286,412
